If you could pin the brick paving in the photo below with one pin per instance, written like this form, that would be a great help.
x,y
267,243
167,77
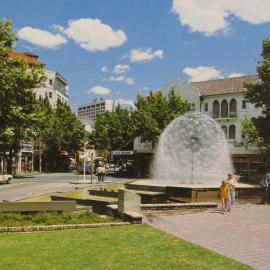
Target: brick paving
x,y
243,234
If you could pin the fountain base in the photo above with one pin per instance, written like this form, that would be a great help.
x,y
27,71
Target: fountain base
x,y
173,191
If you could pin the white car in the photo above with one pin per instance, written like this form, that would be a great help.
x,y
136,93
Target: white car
x,y
5,178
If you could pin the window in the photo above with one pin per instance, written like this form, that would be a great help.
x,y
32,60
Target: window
x,y
193,107
50,81
50,94
233,108
215,109
224,129
224,108
232,132
206,107
244,104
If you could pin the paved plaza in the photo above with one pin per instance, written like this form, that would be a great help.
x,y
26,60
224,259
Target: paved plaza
x,y
243,234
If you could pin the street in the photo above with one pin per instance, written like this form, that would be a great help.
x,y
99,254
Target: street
x,y
27,186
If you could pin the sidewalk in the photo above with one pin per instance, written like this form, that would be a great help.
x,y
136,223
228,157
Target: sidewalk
x,y
243,234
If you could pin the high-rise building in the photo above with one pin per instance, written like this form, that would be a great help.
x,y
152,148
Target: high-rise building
x,y
92,108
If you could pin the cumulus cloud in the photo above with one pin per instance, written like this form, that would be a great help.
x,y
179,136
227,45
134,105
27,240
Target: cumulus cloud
x,y
42,38
121,69
144,55
99,90
93,35
236,74
202,73
211,17
104,69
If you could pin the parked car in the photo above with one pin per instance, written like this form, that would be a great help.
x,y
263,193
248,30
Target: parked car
x,y
6,178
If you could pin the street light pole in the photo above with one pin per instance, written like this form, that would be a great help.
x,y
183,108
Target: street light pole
x,y
92,166
84,157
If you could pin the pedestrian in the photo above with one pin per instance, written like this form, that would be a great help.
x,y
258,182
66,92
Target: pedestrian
x,y
99,172
223,194
231,181
265,190
103,173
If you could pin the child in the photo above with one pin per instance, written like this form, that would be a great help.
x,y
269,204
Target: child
x,y
223,194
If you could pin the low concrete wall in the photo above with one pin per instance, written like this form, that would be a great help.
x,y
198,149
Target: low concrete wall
x,y
37,206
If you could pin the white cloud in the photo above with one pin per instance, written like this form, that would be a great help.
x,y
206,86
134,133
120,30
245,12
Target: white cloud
x,y
202,73
115,79
129,81
143,55
236,74
41,37
121,69
104,69
99,90
93,35
211,17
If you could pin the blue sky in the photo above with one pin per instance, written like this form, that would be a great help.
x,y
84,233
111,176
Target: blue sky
x,y
140,45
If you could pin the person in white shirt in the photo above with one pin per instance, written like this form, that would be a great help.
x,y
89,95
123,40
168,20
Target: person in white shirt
x,y
231,181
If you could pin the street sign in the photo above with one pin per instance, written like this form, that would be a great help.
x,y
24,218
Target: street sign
x,y
122,153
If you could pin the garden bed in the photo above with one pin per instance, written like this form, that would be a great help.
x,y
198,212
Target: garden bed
x,y
52,218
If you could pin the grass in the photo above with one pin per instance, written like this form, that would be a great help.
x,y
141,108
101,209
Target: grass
x,y
51,218
116,248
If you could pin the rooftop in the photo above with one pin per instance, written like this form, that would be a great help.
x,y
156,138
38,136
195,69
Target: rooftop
x,y
27,56
224,86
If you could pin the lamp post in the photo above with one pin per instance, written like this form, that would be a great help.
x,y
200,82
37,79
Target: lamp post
x,y
92,166
84,160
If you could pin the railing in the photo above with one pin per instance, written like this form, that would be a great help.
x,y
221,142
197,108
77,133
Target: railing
x,y
218,116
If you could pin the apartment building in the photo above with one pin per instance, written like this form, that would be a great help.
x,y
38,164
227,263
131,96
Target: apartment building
x,y
56,88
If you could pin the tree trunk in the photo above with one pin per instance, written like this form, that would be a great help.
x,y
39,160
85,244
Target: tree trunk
x,y
9,163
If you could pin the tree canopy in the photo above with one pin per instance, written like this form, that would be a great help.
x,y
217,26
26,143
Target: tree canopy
x,y
155,112
257,129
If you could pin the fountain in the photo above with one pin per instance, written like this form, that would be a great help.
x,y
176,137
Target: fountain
x,y
191,160
192,150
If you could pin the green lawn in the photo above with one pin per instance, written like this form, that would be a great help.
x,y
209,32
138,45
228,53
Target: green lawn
x,y
120,248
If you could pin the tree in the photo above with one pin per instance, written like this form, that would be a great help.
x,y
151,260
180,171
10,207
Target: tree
x,y
62,134
114,130
17,99
155,112
257,129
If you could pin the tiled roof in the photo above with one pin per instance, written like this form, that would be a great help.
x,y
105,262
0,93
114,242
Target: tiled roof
x,y
224,86
28,57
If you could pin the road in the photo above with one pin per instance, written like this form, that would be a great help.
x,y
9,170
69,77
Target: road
x,y
28,186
